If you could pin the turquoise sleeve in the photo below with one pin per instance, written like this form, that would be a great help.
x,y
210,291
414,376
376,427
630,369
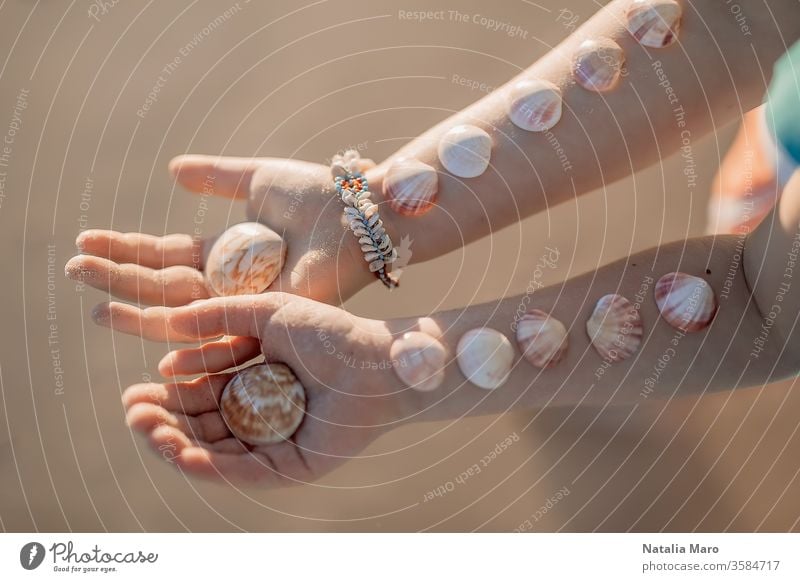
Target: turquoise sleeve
x,y
783,102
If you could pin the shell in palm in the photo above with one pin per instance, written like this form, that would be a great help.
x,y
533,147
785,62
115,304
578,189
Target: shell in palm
x,y
615,328
244,260
541,338
263,404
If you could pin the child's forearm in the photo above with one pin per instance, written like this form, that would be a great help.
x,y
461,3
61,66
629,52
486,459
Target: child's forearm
x,y
669,98
739,349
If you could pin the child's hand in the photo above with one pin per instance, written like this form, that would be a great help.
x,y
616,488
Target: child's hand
x,y
296,199
351,399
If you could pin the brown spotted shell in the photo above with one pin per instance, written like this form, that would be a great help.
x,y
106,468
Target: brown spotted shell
x,y
263,404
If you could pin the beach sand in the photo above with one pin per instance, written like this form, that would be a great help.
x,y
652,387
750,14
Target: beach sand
x,y
301,80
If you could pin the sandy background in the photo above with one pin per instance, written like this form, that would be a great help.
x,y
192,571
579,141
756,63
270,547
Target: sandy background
x,y
262,84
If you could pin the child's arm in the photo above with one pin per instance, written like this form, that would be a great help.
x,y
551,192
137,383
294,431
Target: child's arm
x,y
354,395
669,99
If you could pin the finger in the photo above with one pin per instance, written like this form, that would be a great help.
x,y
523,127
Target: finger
x,y
245,315
210,358
205,427
147,250
170,286
217,175
250,468
193,397
150,323
365,164
231,446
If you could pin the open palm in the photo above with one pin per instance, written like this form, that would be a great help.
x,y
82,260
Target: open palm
x,y
293,198
348,404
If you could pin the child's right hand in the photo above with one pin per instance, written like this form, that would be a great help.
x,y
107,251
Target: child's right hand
x,y
296,199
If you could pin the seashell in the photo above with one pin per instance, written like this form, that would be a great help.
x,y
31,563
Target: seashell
x,y
654,23
263,404
245,259
485,357
597,64
534,104
410,186
465,151
615,328
541,338
687,303
418,360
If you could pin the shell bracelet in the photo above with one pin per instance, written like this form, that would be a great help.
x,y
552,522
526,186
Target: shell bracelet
x,y
362,215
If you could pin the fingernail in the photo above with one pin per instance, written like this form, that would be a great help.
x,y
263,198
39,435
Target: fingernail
x,y
101,314
80,242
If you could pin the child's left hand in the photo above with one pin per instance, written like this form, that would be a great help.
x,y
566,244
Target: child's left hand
x,y
350,401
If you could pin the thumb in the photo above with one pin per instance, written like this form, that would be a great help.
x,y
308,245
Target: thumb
x,y
245,315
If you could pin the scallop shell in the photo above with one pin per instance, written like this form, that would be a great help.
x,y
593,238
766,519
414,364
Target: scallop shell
x,y
687,303
541,338
485,357
465,151
244,260
418,360
654,23
410,186
615,328
597,64
534,104
263,404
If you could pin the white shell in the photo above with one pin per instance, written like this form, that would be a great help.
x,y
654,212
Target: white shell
x,y
541,338
244,260
263,404
485,357
465,151
597,64
654,23
534,104
410,186
418,360
687,303
615,328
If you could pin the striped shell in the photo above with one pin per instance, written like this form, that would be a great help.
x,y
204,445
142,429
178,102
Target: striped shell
x,y
597,64
263,404
615,328
418,361
654,23
244,260
687,303
534,104
541,338
465,151
410,186
485,357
